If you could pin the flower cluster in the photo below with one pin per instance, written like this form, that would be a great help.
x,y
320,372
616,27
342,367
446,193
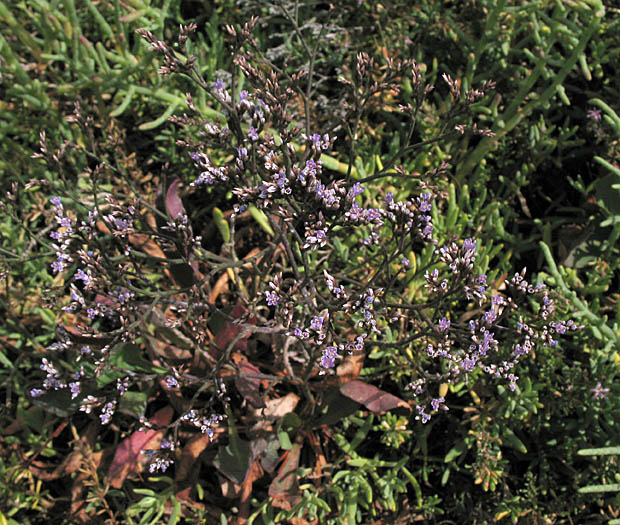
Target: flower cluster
x,y
161,458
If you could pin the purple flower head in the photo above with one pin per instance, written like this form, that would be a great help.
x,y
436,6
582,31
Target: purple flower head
x,y
436,403
86,277
56,201
57,266
316,323
468,364
218,84
405,262
469,244
75,389
302,334
329,357
599,392
272,298
424,203
252,133
356,189
243,95
594,114
444,324
490,316
171,382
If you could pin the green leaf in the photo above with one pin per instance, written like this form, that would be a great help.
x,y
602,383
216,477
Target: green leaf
x,y
222,224
603,451
614,487
234,460
127,356
57,402
133,403
260,217
285,441
509,439
455,451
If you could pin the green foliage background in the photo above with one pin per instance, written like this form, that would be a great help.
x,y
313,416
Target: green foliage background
x,y
543,193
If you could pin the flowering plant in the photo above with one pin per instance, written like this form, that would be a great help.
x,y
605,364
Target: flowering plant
x,y
269,308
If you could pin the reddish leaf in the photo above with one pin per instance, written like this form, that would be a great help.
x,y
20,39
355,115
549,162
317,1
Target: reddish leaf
x,y
373,398
128,452
230,331
248,386
174,204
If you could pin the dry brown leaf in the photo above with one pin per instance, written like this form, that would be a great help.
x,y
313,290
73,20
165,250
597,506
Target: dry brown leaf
x,y
351,367
188,468
256,472
284,489
276,408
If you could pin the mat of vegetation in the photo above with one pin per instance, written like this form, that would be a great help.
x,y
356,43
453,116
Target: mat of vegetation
x,y
294,262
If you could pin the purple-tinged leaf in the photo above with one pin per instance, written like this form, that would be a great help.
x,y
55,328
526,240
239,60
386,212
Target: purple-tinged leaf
x,y
373,398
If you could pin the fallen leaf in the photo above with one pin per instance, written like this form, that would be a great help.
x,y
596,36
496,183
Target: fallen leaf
x,y
188,468
275,408
284,489
235,459
373,398
128,453
229,331
350,367
255,473
247,385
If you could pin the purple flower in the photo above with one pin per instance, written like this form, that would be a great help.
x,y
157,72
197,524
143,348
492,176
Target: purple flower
x,y
218,84
75,389
469,244
252,133
356,189
302,334
329,357
171,382
594,114
468,364
599,392
436,403
490,316
405,262
272,298
444,324
80,275
107,412
56,201
316,323
36,392
57,266
424,203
